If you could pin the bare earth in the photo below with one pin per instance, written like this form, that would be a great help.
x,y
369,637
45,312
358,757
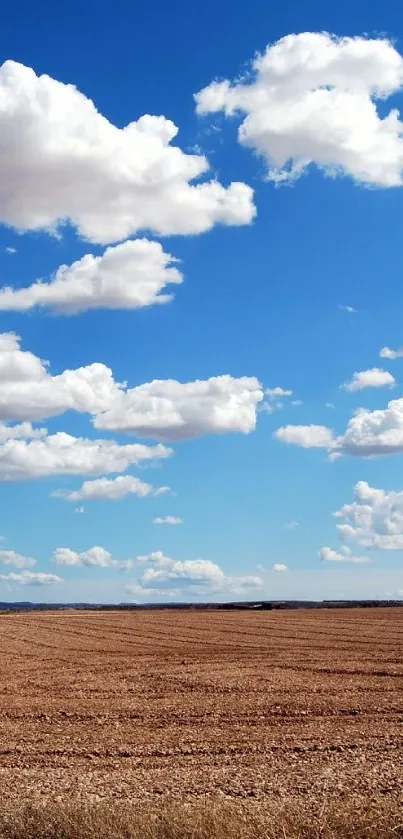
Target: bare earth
x,y
187,704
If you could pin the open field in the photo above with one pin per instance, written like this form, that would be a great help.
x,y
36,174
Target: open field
x,y
303,706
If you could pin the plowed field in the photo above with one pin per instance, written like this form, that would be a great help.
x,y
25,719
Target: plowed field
x,y
186,704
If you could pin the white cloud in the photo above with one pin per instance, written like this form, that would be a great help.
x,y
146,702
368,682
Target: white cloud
x,y
63,454
386,352
110,489
374,519
368,433
369,378
167,520
279,567
62,160
162,408
329,405
274,399
291,525
128,276
296,403
96,556
349,309
167,577
171,410
307,436
11,251
372,433
17,560
29,578
329,555
311,99
278,391
80,510
23,430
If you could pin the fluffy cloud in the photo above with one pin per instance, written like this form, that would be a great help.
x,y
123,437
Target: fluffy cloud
x,y
311,99
374,519
127,276
22,430
327,554
167,577
110,489
279,567
171,410
96,556
62,160
167,520
29,578
307,436
17,560
386,352
29,392
63,454
369,378
368,433
164,409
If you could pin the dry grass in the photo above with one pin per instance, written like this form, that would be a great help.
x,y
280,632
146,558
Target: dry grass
x,y
210,820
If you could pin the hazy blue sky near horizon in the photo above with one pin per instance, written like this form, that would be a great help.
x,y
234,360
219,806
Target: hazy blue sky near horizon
x,y
301,297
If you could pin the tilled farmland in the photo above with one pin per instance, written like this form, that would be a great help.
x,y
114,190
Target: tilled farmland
x,y
164,705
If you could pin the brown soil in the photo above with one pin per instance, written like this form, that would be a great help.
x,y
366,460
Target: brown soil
x,y
164,705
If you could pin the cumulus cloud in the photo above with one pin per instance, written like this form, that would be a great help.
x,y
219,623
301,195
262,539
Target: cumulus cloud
x,y
128,276
167,577
167,520
311,98
62,160
374,519
63,454
279,567
368,433
369,378
171,410
17,560
386,352
307,436
10,251
327,554
165,409
96,556
109,489
29,578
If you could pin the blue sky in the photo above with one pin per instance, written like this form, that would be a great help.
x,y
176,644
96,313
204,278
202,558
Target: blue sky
x,y
267,281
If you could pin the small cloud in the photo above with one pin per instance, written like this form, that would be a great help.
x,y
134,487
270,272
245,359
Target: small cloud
x,y
291,525
165,490
349,309
11,250
278,391
261,568
369,378
386,352
330,405
168,520
279,567
297,402
79,509
327,554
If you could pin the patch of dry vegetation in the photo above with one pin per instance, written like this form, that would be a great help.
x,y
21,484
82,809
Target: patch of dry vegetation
x,y
377,819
